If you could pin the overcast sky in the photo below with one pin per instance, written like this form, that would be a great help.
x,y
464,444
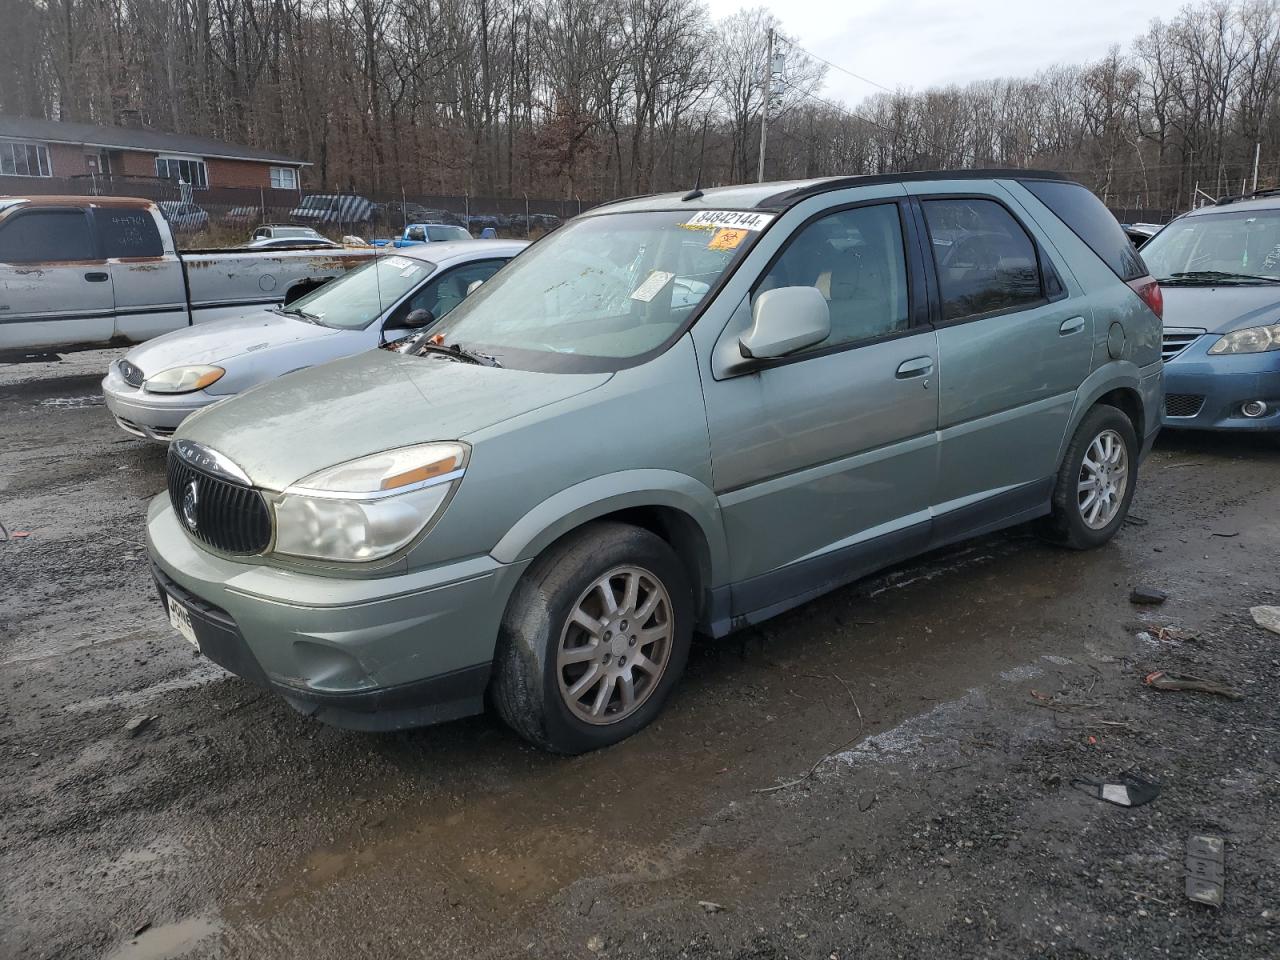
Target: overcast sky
x,y
921,43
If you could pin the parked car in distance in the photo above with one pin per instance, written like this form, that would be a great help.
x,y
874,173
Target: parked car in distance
x,y
184,217
94,271
1140,233
1219,268
286,231
337,209
292,243
432,233
157,385
679,412
397,214
242,216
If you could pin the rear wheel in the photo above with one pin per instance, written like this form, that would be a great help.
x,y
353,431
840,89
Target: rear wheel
x,y
1096,481
595,636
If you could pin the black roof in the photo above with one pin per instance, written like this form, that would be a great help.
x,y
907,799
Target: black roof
x,y
133,138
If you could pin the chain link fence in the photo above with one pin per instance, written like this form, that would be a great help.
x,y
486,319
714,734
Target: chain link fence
x,y
227,216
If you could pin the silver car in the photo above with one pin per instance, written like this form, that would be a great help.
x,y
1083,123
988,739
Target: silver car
x,y
160,383
674,414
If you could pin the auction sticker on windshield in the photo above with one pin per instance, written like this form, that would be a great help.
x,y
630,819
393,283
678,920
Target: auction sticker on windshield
x,y
180,620
737,219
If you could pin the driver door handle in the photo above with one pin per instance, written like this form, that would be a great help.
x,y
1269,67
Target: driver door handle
x,y
96,277
917,367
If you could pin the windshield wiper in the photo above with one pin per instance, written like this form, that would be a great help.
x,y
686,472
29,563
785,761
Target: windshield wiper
x,y
300,314
454,352
1215,276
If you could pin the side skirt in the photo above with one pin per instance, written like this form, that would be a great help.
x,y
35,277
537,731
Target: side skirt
x,y
751,601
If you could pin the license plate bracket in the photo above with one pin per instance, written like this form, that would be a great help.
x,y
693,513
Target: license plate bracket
x,y
180,620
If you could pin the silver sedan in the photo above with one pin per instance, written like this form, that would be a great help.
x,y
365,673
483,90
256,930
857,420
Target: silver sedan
x,y
160,383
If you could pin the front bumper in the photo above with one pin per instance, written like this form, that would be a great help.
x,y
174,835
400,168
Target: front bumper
x,y
152,416
1206,393
381,653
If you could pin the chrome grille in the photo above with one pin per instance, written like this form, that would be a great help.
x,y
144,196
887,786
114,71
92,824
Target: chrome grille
x,y
132,375
1182,404
228,516
1177,340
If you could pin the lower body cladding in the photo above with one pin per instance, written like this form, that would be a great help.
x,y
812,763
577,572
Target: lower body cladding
x,y
375,654
147,415
1239,392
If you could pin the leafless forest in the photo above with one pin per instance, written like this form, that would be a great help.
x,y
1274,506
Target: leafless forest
x,y
599,98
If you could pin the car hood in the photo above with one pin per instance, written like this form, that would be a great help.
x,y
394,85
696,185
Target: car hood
x,y
1221,309
291,427
221,340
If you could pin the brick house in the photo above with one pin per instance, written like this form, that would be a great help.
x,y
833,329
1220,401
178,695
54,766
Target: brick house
x,y
34,150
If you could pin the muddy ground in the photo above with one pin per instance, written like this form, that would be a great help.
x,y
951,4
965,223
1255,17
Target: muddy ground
x,y
958,696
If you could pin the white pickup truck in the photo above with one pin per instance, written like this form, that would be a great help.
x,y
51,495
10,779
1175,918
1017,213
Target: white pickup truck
x,y
95,271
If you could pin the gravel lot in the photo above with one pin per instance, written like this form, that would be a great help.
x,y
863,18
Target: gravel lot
x,y
957,696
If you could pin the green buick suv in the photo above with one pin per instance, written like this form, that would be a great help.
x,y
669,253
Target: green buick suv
x,y
675,415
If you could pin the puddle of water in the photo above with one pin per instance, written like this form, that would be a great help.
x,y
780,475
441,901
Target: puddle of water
x,y
907,739
1028,671
169,940
204,673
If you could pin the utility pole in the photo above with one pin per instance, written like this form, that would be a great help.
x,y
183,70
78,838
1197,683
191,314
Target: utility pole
x,y
1257,154
764,108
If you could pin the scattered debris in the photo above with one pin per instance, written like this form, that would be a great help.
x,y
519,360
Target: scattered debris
x,y
710,906
1133,521
1163,680
1205,875
595,943
1131,791
142,929
1225,536
1147,595
1267,617
139,723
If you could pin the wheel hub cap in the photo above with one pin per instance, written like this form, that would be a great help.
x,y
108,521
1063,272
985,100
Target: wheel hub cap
x,y
1103,480
614,649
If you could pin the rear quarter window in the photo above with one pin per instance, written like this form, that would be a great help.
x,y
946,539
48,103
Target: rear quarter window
x,y
1092,222
128,233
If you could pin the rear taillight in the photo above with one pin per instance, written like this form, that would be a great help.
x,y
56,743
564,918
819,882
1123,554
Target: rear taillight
x,y
1149,291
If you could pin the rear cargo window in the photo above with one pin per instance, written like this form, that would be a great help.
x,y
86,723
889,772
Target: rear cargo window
x,y
46,236
129,233
1079,209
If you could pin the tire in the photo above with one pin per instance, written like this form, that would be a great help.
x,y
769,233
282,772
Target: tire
x,y
1069,523
533,688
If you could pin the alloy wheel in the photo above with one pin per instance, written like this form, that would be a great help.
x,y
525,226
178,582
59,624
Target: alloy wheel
x,y
615,646
1103,480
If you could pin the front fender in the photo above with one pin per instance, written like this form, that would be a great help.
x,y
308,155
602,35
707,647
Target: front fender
x,y
609,493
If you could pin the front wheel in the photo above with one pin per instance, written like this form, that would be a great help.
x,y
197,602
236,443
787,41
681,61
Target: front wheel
x,y
1096,481
596,634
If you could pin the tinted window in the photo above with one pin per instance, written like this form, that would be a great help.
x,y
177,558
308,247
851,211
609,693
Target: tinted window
x,y
986,262
128,233
1092,222
43,236
855,259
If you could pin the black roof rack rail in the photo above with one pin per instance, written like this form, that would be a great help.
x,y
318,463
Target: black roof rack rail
x,y
788,198
1255,195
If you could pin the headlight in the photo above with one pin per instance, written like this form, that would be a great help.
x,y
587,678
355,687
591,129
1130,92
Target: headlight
x,y
368,508
1250,340
183,379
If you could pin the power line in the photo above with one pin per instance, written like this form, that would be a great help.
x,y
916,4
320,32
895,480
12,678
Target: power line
x,y
836,66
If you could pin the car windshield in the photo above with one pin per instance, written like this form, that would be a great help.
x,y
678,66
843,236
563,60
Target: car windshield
x,y
1229,246
355,300
601,291
437,233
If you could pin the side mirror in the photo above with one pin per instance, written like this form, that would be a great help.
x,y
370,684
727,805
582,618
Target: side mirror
x,y
785,320
416,320
473,286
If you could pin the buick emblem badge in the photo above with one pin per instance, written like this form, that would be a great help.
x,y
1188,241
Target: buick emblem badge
x,y
190,500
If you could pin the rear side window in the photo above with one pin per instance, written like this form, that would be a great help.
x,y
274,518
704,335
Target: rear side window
x,y
46,236
986,262
128,233
1092,222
